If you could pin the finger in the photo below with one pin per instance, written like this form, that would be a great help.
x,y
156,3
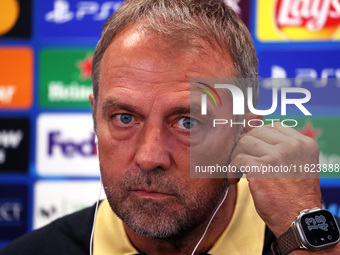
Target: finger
x,y
253,146
288,131
268,134
243,161
254,167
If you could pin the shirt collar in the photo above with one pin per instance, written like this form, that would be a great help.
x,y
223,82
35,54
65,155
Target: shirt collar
x,y
243,235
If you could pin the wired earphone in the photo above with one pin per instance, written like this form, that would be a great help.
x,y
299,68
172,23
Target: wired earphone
x,y
97,204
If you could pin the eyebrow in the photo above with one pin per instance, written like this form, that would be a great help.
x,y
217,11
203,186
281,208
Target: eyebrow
x,y
178,110
192,109
114,103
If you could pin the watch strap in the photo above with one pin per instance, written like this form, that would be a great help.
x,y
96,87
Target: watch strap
x,y
286,243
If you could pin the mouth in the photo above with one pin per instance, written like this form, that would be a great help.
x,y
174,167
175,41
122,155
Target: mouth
x,y
149,193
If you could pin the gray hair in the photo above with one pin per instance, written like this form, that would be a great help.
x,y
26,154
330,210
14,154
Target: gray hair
x,y
184,20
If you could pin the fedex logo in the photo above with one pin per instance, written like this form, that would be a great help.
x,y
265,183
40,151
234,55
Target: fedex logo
x,y
66,145
63,12
69,148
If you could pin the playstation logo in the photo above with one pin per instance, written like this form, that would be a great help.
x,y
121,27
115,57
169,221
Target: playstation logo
x,y
60,13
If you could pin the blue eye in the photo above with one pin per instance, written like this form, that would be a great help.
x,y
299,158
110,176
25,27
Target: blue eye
x,y
187,123
125,118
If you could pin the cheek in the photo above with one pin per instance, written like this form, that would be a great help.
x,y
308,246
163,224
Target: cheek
x,y
204,192
115,157
215,149
222,150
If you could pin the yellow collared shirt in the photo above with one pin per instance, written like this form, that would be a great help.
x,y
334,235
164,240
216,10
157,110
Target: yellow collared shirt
x,y
243,235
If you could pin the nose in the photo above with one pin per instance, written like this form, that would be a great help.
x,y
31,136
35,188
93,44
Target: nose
x,y
152,151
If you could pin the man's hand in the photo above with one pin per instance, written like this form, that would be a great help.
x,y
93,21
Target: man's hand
x,y
279,197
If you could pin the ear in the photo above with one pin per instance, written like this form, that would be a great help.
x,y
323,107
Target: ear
x,y
91,98
253,123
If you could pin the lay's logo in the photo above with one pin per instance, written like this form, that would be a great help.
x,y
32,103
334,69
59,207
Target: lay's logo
x,y
297,20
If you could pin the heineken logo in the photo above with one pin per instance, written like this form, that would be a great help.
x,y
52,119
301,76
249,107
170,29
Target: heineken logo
x,y
65,79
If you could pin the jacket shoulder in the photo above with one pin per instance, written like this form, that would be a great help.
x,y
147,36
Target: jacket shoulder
x,y
67,235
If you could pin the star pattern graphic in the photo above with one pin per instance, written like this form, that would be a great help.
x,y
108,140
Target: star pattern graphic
x,y
309,130
85,67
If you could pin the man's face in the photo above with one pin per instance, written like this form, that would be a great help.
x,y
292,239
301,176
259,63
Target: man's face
x,y
144,127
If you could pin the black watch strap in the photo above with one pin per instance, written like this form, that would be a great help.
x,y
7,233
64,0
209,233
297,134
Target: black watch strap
x,y
286,243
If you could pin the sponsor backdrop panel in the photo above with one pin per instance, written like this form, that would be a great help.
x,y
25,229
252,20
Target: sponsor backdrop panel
x,y
314,63
65,78
48,160
61,18
66,145
13,210
16,77
315,70
14,145
64,198
16,19
330,196
325,131
295,20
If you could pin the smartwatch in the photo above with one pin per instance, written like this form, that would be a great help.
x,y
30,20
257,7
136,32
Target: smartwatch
x,y
313,229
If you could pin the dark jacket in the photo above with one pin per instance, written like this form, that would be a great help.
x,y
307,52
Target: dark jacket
x,y
70,235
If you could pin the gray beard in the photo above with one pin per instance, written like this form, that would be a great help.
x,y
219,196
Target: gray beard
x,y
168,219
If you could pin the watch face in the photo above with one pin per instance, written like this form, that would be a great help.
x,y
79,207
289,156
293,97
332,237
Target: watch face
x,y
320,228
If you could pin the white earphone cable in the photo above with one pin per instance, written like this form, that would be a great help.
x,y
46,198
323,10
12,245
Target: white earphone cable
x,y
199,242
94,218
212,217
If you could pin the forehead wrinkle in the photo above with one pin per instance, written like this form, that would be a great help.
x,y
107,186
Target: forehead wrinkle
x,y
176,53
136,87
130,73
140,75
132,81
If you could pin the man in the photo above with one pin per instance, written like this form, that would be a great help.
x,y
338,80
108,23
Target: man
x,y
142,67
